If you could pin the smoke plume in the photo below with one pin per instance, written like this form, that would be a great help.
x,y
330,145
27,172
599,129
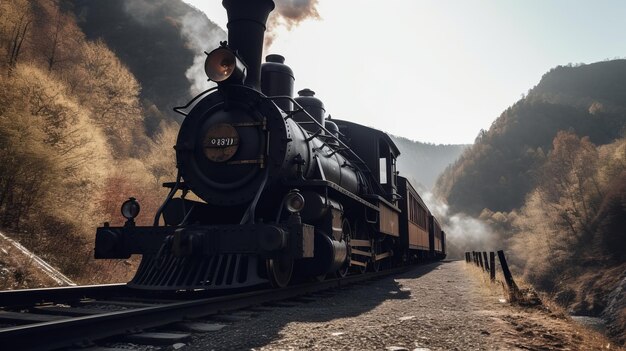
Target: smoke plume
x,y
198,32
463,233
288,14
199,37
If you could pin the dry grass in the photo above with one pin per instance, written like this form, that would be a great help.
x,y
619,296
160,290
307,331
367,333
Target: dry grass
x,y
545,326
497,288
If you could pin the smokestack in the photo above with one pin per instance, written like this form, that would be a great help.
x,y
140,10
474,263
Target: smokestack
x,y
246,30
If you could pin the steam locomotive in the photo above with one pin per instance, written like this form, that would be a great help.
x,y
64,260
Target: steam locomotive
x,y
269,189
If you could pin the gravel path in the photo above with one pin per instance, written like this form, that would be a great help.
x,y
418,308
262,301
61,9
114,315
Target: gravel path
x,y
440,306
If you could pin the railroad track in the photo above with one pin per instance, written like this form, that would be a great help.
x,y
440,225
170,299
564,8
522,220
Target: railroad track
x,y
54,318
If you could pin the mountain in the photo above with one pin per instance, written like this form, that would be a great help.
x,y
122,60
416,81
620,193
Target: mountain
x,y
422,163
501,167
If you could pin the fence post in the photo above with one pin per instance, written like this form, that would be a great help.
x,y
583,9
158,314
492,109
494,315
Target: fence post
x,y
487,266
476,259
507,274
480,260
492,264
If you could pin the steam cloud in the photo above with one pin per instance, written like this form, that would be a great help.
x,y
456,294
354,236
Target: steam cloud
x,y
289,13
197,30
463,233
199,37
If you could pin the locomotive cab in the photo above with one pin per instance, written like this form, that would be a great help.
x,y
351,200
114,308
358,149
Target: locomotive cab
x,y
388,176
380,158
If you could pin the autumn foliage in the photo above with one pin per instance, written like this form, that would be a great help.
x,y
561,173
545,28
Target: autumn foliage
x,y
72,138
574,212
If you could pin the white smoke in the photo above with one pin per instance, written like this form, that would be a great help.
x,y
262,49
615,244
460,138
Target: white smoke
x,y
198,32
200,38
288,14
463,232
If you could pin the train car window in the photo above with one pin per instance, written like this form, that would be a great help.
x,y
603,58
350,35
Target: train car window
x,y
422,217
383,170
410,205
394,174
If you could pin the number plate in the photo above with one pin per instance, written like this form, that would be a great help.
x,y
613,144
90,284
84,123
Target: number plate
x,y
220,142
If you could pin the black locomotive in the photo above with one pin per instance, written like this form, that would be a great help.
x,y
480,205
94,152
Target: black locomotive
x,y
269,190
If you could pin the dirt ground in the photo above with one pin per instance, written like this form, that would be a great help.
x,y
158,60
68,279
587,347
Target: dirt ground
x,y
440,306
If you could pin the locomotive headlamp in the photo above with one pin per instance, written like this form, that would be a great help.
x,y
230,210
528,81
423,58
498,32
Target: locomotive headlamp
x,y
294,201
222,64
130,208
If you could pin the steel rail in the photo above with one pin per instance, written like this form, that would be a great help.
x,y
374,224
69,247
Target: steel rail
x,y
29,297
86,329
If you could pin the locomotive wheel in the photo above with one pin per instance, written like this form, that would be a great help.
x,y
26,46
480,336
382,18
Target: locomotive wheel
x,y
279,270
346,234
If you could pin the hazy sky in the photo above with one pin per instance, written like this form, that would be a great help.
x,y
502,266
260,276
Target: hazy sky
x,y
439,70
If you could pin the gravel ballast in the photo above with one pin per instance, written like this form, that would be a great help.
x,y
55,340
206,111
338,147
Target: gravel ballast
x,y
439,306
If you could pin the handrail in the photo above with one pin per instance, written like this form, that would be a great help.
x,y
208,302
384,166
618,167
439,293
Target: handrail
x,y
180,109
329,135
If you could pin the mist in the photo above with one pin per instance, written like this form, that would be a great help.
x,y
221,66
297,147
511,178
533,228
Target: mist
x,y
463,233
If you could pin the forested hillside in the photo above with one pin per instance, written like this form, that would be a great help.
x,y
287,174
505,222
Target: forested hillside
x,y
72,139
162,43
550,177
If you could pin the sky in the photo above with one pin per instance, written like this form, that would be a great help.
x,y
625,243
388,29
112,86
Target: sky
x,y
438,71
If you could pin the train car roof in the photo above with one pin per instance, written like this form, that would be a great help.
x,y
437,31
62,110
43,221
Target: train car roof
x,y
361,129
